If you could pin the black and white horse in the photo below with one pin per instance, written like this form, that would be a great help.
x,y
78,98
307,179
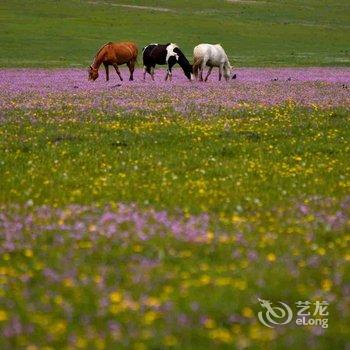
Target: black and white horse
x,y
169,54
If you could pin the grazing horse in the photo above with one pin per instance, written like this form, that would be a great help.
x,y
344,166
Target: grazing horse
x,y
114,54
211,56
169,54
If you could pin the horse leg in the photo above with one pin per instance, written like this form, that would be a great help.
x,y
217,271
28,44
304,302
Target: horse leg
x,y
209,71
131,66
107,71
171,62
204,63
152,73
196,66
167,73
117,70
146,69
220,72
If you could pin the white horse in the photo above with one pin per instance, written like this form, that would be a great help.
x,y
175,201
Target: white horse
x,y
211,56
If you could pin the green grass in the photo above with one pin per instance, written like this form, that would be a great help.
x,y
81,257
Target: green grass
x,y
217,164
273,181
272,33
250,170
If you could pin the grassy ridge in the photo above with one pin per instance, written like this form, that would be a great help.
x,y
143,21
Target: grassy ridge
x,y
256,33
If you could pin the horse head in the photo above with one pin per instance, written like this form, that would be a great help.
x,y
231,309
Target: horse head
x,y
93,73
227,71
186,67
183,62
189,72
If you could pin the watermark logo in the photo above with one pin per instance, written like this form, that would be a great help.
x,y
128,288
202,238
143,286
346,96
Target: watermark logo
x,y
308,313
274,315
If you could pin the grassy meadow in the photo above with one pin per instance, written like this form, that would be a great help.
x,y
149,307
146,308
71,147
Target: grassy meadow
x,y
252,160
161,231
67,33
155,215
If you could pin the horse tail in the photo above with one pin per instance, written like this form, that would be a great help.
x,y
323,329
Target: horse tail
x,y
136,55
196,64
135,52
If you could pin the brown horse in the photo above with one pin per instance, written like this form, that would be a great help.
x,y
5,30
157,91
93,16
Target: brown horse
x,y
114,54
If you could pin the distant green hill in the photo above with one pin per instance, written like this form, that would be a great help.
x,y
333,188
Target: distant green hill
x,y
62,33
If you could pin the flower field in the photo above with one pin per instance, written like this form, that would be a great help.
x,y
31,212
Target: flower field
x,y
153,215
48,89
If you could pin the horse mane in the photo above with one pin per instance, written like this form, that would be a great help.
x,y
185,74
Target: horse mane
x,y
102,47
182,60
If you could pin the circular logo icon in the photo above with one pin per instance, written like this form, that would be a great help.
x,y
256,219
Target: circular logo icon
x,y
274,315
